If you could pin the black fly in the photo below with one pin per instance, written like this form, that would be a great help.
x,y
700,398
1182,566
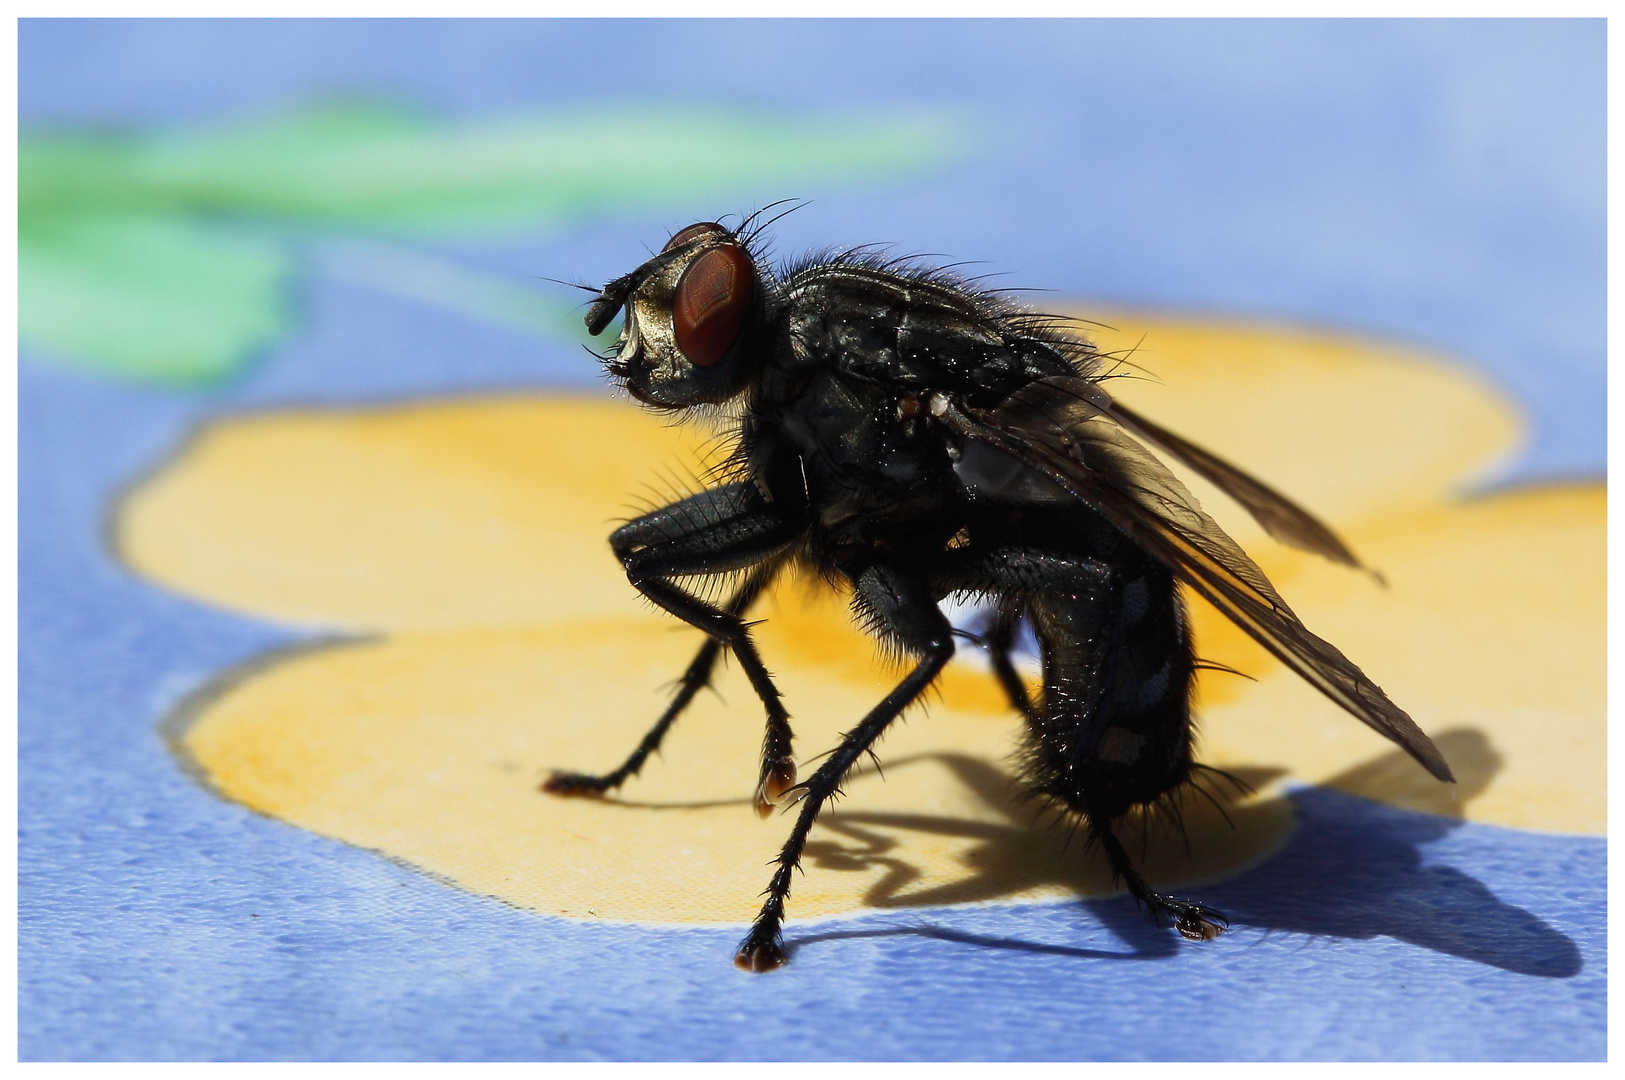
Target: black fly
x,y
913,436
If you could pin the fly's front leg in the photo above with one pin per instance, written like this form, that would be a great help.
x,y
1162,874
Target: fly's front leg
x,y
696,678
715,532
906,611
778,762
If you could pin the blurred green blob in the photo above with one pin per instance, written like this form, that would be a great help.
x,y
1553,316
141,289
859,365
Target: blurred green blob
x,y
154,298
164,256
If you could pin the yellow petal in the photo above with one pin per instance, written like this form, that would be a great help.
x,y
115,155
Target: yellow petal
x,y
1493,626
429,747
476,512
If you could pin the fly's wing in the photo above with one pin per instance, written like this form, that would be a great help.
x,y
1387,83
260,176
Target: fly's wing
x,y
1057,428
1281,517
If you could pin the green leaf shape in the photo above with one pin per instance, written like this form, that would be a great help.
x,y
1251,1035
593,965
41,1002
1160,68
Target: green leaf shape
x,y
161,255
153,298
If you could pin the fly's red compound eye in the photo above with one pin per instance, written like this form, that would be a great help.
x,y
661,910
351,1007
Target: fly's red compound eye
x,y
713,296
693,232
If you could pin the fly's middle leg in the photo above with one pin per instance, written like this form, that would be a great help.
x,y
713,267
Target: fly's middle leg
x,y
907,613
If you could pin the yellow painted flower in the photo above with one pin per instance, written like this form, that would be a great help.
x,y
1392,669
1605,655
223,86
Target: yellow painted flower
x,y
487,636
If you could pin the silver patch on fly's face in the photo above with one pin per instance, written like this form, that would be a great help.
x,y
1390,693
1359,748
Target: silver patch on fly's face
x,y
648,320
626,349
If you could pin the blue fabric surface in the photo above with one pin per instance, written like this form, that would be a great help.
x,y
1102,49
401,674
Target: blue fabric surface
x,y
1440,183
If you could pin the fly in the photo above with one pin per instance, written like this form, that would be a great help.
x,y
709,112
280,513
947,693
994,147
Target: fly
x,y
912,435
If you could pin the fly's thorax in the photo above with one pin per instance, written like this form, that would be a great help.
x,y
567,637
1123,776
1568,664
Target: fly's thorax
x,y
868,483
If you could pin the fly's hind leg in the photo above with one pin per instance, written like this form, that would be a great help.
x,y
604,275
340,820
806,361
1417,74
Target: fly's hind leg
x,y
695,679
1012,572
1194,921
1001,638
906,612
1063,578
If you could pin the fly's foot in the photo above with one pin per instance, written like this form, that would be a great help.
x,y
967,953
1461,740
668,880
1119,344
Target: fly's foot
x,y
778,777
569,783
1193,921
762,950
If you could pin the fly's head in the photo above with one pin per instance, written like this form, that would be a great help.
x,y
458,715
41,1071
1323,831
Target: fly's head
x,y
693,313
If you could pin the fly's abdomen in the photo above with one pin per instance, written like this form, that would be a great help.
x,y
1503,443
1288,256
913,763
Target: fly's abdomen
x,y
1113,727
